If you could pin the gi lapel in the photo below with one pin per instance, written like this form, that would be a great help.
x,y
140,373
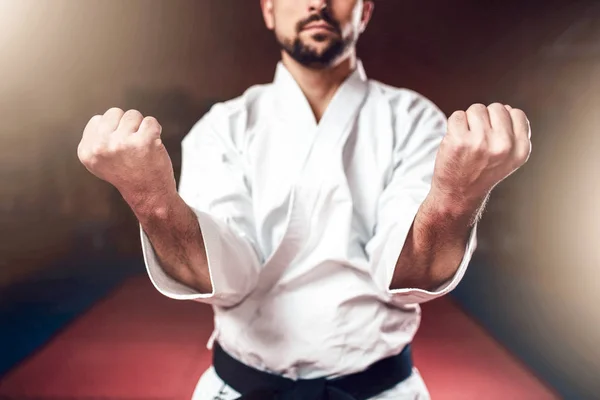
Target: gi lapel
x,y
321,144
296,119
337,122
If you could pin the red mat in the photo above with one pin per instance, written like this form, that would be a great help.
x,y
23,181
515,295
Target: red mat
x,y
137,344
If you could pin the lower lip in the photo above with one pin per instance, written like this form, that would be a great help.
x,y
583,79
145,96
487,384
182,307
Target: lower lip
x,y
318,28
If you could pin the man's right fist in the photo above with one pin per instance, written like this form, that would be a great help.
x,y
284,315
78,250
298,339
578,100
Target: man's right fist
x,y
125,150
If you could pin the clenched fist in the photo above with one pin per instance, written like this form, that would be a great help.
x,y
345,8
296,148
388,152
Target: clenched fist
x,y
125,150
483,146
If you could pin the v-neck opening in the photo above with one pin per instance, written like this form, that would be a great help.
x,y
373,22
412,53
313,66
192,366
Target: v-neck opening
x,y
295,106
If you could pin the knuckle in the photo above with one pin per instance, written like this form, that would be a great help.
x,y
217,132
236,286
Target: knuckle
x,y
145,142
92,162
457,117
82,153
518,114
473,142
477,107
93,125
519,161
151,120
151,124
461,143
480,147
504,151
458,114
132,144
525,151
500,151
106,128
95,119
98,150
114,147
123,144
87,158
107,124
497,109
113,110
132,113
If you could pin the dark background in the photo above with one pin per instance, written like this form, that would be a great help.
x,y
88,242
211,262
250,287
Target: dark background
x,y
66,238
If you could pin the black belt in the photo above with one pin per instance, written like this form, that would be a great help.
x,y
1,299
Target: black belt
x,y
253,384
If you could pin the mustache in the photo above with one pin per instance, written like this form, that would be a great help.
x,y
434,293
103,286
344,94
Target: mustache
x,y
323,16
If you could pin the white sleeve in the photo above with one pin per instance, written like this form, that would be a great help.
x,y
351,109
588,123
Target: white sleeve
x,y
414,158
213,183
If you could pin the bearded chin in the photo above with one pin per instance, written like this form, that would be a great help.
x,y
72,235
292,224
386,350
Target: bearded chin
x,y
311,58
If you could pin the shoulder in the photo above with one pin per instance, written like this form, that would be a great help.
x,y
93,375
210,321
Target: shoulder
x,y
409,108
406,102
230,119
415,118
225,114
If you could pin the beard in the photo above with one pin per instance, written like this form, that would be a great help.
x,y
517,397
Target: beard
x,y
306,55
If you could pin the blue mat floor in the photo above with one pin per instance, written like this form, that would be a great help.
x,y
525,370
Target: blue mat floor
x,y
32,312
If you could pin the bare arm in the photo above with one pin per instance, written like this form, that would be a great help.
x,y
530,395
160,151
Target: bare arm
x,y
173,229
197,242
435,244
483,146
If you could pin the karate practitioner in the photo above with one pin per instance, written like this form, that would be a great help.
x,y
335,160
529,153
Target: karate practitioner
x,y
314,213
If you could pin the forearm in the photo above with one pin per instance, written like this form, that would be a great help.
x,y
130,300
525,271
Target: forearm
x,y
436,242
173,229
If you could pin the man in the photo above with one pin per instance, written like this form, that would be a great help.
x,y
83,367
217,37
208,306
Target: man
x,y
315,213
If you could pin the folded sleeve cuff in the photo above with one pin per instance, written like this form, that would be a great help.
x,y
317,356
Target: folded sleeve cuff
x,y
415,295
215,234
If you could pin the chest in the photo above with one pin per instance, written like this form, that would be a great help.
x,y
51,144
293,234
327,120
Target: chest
x,y
319,167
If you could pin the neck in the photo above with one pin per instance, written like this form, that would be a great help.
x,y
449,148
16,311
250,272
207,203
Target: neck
x,y
320,85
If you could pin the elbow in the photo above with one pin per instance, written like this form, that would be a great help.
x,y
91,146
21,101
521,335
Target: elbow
x,y
427,278
230,289
438,278
232,299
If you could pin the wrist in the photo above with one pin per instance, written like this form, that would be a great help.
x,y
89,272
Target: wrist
x,y
147,205
454,206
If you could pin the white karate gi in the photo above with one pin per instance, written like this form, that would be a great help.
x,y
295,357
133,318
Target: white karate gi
x,y
303,223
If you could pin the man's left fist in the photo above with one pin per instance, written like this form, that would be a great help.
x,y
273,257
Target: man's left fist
x,y
483,146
